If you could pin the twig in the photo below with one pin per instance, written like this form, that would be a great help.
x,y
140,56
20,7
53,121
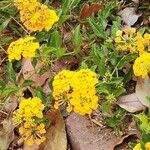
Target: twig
x,y
20,25
3,49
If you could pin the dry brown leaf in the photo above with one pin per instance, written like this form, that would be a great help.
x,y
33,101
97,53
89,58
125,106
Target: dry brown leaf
x,y
83,134
88,10
142,90
129,16
130,103
65,62
56,134
7,134
29,73
11,105
28,147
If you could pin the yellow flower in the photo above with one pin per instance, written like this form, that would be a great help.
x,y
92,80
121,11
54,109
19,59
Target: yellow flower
x,y
38,18
77,90
41,128
25,47
22,4
137,147
29,110
141,65
119,33
147,38
140,42
132,41
118,39
147,146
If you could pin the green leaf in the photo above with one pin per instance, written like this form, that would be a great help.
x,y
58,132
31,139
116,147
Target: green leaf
x,y
103,88
39,93
101,67
115,27
9,90
128,76
11,74
55,40
107,10
113,122
116,80
62,19
68,5
105,106
126,59
42,36
2,85
60,52
97,28
77,36
118,91
28,83
4,25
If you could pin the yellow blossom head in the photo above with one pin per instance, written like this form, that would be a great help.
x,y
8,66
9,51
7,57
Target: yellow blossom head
x,y
38,17
77,90
25,47
130,40
22,4
147,146
141,66
137,147
26,115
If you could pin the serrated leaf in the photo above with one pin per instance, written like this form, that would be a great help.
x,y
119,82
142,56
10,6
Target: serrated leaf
x,y
126,59
118,91
28,82
11,74
77,36
55,40
97,28
103,88
4,25
9,90
2,85
39,93
116,80
115,27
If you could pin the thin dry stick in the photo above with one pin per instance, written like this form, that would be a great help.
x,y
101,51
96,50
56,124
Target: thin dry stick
x,y
20,25
3,49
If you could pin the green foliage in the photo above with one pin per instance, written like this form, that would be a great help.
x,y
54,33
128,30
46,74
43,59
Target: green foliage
x,y
144,123
116,120
11,74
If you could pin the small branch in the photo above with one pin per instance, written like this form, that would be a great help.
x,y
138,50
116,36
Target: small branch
x,y
20,25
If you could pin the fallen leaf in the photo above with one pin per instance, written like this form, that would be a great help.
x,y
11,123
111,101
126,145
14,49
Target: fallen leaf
x,y
28,147
65,62
82,134
135,1
88,10
29,73
6,134
142,90
129,16
11,104
56,134
130,103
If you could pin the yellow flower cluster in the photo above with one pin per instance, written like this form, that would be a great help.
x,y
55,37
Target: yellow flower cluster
x,y
36,16
141,66
138,146
130,40
77,90
28,114
25,47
